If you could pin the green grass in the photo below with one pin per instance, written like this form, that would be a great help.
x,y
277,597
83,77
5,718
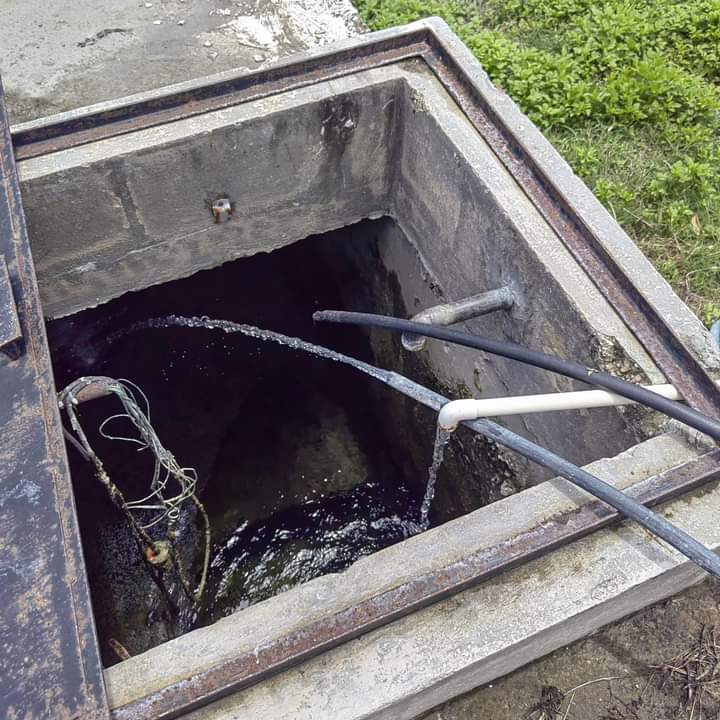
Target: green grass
x,y
628,92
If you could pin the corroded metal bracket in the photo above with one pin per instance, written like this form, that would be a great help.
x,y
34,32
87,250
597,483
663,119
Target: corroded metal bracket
x,y
49,663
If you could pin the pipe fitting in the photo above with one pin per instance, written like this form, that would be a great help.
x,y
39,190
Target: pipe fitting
x,y
453,413
455,312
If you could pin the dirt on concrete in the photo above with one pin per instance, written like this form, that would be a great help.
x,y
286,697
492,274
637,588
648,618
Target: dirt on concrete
x,y
659,664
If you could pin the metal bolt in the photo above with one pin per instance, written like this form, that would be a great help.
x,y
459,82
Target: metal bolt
x,y
222,210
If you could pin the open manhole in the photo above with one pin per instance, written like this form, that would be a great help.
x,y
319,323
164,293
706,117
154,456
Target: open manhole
x,y
305,465
386,176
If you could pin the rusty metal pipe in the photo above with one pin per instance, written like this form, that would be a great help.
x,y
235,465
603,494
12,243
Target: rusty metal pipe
x,y
455,312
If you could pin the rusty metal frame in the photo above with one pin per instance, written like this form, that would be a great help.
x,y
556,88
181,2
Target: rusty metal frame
x,y
10,331
50,664
421,42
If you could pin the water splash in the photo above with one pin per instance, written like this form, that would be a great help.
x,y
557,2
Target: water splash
x,y
274,554
442,438
251,331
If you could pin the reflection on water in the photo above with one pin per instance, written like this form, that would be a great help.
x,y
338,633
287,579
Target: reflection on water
x,y
303,542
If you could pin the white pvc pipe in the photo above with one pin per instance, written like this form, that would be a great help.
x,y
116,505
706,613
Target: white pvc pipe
x,y
456,411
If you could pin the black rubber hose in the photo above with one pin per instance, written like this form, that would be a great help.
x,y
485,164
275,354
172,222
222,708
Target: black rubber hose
x,y
512,350
672,535
680,540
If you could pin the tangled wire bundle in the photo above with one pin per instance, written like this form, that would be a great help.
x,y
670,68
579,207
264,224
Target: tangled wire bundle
x,y
171,486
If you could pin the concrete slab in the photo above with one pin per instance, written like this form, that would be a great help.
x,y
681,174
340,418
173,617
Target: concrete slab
x,y
61,56
613,671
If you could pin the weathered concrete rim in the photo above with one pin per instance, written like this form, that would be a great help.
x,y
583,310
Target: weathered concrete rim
x,y
533,522
510,134
122,115
208,81
579,197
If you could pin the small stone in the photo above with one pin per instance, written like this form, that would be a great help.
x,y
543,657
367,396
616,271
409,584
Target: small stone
x,y
148,5
507,489
212,55
181,22
208,43
157,22
258,58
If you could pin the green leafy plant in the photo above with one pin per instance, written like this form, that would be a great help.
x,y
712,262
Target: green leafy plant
x,y
628,92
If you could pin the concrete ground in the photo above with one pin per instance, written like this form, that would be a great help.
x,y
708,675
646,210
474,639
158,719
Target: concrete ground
x,y
60,56
55,57
613,672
